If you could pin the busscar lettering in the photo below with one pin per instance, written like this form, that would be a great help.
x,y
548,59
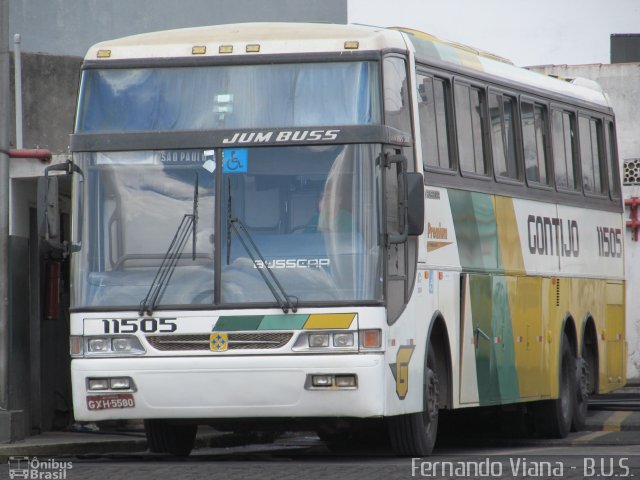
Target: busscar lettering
x,y
553,236
293,263
282,136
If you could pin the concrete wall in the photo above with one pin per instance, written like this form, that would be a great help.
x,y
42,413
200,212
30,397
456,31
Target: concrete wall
x,y
622,84
49,94
69,27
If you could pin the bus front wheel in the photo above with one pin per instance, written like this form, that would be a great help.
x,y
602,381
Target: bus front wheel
x,y
172,438
414,434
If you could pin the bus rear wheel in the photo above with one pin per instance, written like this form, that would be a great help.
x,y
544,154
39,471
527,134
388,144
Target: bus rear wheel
x,y
581,399
415,434
172,438
554,417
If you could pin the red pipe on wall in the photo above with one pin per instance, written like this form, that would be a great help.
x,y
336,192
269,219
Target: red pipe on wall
x,y
38,153
634,223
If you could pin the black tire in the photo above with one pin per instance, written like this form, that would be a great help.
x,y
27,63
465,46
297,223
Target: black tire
x,y
171,438
581,397
554,417
414,434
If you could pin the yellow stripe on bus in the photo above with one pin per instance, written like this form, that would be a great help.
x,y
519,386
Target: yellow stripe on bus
x,y
508,236
329,320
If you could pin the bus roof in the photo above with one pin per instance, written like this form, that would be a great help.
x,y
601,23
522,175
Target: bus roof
x,y
288,38
273,38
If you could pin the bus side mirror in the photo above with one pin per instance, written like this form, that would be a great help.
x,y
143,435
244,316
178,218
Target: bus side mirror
x,y
48,211
415,198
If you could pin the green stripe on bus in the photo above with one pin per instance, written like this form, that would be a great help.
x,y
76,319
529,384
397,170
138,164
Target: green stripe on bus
x,y
236,323
503,346
495,355
283,322
481,314
476,233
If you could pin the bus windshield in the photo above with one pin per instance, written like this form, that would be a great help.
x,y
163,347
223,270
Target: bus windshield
x,y
312,213
229,97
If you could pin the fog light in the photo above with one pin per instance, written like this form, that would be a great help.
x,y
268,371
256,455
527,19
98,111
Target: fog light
x,y
322,380
346,381
98,384
99,345
120,383
343,339
319,340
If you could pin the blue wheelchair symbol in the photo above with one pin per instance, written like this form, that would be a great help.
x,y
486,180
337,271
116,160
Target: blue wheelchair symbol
x,y
235,160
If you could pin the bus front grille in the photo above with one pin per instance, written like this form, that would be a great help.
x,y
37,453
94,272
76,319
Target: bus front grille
x,y
237,341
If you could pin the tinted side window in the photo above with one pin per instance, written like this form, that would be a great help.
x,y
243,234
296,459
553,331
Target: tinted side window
x,y
590,160
503,139
396,99
564,153
469,125
612,160
433,113
534,140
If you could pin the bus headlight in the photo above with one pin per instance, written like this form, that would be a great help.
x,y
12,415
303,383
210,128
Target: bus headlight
x,y
342,340
318,340
328,341
98,345
127,345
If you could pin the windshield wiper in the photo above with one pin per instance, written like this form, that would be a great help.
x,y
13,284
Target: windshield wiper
x,y
188,225
285,302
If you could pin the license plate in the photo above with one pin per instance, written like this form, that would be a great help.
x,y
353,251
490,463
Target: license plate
x,y
104,402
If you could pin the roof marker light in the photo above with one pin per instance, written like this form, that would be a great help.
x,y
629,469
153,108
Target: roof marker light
x,y
253,48
104,54
351,45
225,49
198,50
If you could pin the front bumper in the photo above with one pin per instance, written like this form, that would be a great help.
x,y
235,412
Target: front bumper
x,y
234,387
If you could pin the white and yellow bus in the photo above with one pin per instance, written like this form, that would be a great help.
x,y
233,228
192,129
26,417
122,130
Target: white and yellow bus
x,y
325,224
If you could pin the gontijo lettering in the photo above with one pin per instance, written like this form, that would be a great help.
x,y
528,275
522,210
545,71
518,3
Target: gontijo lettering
x,y
553,236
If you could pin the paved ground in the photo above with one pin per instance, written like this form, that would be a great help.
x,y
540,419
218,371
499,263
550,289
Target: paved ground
x,y
613,420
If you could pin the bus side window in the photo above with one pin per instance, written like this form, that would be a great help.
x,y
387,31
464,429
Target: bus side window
x,y
590,148
434,113
503,136
396,99
469,125
612,160
564,151
534,139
